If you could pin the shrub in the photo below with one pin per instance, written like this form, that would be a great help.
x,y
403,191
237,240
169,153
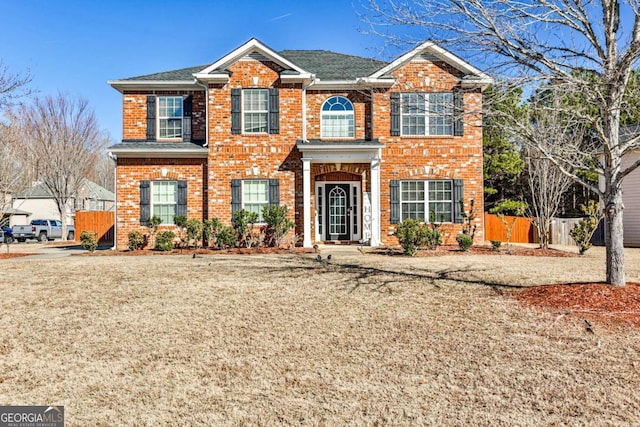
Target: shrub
x,y
464,241
583,231
278,224
89,240
136,240
434,236
412,235
468,227
495,245
164,240
226,237
194,232
242,222
516,208
210,230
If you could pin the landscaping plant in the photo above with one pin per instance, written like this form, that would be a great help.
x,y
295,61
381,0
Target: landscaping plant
x,y
515,208
464,241
412,235
242,222
583,231
278,224
136,240
89,240
194,232
164,241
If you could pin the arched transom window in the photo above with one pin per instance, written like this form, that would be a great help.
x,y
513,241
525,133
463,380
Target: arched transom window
x,y
337,118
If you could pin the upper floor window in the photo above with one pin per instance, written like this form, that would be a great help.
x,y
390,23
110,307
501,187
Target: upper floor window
x,y
427,113
255,111
169,117
337,118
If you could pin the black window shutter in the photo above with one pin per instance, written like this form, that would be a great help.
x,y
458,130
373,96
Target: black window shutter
x,y
187,109
181,208
395,114
394,198
274,192
151,117
458,196
236,111
145,202
236,196
274,110
458,113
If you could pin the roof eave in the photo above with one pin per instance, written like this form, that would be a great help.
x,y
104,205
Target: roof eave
x,y
212,78
122,85
159,153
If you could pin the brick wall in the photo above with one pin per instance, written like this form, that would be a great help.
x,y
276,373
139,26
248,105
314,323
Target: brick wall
x,y
131,171
262,156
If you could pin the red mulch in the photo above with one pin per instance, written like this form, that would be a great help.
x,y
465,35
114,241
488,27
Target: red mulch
x,y
478,250
611,306
10,255
237,251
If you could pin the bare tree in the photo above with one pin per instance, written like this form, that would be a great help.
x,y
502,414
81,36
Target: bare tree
x,y
12,86
14,175
580,47
64,138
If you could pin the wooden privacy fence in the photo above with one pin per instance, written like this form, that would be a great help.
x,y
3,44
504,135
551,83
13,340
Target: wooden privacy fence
x,y
100,222
494,229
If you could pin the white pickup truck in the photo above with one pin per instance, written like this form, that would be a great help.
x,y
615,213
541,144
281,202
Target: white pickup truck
x,y
43,230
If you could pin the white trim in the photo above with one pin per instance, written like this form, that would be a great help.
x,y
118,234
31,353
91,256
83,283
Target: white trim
x,y
306,202
253,45
243,111
152,183
446,56
178,153
122,85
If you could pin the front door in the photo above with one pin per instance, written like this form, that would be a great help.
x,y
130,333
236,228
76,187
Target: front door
x,y
338,212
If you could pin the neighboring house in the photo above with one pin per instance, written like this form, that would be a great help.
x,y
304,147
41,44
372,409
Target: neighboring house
x,y
351,145
631,193
39,201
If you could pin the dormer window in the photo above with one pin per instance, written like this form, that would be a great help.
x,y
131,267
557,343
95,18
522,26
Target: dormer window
x,y
337,118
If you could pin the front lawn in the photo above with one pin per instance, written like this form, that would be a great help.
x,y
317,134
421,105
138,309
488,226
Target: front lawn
x,y
287,340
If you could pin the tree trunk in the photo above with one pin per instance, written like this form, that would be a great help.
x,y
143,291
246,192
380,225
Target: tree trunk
x,y
614,240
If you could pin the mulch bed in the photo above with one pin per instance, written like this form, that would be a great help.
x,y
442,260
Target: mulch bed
x,y
611,306
192,252
10,255
476,250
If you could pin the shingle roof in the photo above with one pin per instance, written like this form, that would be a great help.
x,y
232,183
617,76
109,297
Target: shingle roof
x,y
93,191
328,65
183,74
324,64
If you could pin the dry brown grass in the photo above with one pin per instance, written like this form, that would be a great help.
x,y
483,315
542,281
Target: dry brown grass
x,y
286,340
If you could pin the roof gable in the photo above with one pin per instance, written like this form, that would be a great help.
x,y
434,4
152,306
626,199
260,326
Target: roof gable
x,y
430,50
255,49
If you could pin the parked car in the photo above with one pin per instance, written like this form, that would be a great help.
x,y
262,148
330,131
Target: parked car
x,y
6,235
43,230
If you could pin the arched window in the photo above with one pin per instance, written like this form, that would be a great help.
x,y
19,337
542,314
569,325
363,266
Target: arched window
x,y
337,118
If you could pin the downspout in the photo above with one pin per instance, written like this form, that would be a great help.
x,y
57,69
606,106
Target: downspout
x,y
304,106
114,157
205,86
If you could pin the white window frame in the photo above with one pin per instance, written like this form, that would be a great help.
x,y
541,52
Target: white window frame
x,y
161,117
427,114
426,201
153,203
246,111
264,202
341,115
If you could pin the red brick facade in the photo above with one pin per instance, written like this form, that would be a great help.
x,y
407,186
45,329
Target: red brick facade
x,y
275,156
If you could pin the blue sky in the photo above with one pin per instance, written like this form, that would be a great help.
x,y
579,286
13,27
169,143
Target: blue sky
x,y
77,46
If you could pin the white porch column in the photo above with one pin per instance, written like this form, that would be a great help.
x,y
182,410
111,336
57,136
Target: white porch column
x,y
375,202
306,202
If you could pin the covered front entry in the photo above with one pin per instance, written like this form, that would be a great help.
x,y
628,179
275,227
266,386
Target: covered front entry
x,y
342,211
338,210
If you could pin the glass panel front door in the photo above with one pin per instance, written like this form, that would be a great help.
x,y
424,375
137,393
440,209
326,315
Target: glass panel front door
x,y
337,212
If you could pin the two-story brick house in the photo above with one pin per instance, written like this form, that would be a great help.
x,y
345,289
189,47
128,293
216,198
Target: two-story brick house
x,y
351,145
